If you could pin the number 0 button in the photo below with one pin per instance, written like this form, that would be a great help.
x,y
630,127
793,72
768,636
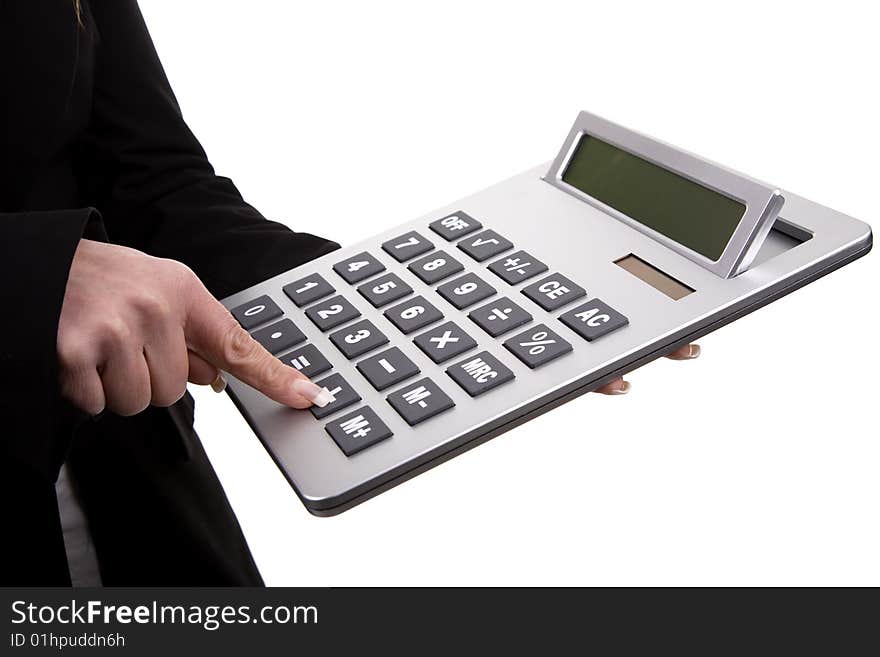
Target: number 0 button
x,y
359,338
358,267
253,313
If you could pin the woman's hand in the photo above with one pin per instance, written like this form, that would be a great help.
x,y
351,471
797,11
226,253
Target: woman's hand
x,y
621,387
134,329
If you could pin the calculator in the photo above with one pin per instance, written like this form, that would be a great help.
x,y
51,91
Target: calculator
x,y
448,330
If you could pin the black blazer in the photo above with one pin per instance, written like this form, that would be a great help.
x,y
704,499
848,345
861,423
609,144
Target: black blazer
x,y
92,143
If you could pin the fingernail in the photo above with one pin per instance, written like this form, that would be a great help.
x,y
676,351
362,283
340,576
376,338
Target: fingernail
x,y
622,390
693,351
319,396
218,384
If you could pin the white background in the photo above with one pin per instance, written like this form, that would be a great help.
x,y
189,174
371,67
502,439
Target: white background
x,y
756,464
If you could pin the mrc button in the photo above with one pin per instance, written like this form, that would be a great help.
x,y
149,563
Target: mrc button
x,y
479,373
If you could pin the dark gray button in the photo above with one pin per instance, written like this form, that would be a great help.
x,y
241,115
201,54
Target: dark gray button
x,y
455,226
483,246
409,245
420,401
358,430
308,289
359,338
253,313
499,316
308,360
359,267
593,319
332,312
517,267
537,346
387,368
279,336
339,388
480,373
444,342
553,292
412,315
465,290
385,289
435,267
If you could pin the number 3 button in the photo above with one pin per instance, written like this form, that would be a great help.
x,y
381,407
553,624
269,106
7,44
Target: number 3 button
x,y
359,338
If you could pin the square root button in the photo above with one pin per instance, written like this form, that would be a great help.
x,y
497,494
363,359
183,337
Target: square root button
x,y
358,430
480,373
419,401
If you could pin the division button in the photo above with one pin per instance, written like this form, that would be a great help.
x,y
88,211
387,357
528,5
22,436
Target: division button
x,y
444,342
499,316
387,368
385,289
253,313
406,246
413,314
359,267
480,373
358,430
537,346
517,267
307,360
553,292
435,267
455,226
593,319
465,290
308,289
345,396
483,246
357,339
279,336
332,313
419,401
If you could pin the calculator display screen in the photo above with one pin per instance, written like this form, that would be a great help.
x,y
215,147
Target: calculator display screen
x,y
695,216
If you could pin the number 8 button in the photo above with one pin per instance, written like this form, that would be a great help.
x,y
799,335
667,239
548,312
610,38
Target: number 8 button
x,y
435,267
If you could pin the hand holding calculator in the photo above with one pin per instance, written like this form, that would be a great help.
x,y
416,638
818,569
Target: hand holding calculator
x,y
450,329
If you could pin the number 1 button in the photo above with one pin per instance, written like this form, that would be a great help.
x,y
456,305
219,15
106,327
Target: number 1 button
x,y
358,267
308,289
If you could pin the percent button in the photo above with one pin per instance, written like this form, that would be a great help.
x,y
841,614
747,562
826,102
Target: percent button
x,y
537,346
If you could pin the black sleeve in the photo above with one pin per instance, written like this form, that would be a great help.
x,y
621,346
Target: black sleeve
x,y
36,249
151,179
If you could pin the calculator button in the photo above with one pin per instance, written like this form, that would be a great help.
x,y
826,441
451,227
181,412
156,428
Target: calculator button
x,y
307,360
435,267
385,289
444,342
406,246
517,267
359,338
413,314
465,290
455,226
253,313
345,395
419,401
332,312
279,336
553,292
499,316
593,319
480,373
308,289
387,368
359,267
483,246
537,346
358,430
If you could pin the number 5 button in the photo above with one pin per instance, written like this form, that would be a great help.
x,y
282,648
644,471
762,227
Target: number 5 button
x,y
384,290
359,338
359,267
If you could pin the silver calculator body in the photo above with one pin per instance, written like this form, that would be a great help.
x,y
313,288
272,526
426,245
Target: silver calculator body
x,y
586,295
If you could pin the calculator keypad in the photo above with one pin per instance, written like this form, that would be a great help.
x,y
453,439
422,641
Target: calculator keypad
x,y
308,289
455,226
407,246
483,246
345,396
553,292
331,313
280,336
480,373
358,339
593,319
307,360
387,368
465,290
420,401
383,290
444,342
358,430
517,267
435,267
537,346
359,267
413,314
499,316
256,312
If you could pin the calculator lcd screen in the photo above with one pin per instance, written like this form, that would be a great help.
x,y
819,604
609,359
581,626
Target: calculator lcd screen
x,y
695,216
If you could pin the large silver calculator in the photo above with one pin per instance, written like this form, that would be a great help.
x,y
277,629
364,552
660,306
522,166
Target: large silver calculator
x,y
448,330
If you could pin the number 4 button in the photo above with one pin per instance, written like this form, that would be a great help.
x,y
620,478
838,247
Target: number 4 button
x,y
359,267
593,319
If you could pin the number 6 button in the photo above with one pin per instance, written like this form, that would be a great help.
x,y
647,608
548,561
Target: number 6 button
x,y
359,338
359,267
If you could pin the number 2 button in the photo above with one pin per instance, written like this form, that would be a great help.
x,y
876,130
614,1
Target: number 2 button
x,y
359,267
332,312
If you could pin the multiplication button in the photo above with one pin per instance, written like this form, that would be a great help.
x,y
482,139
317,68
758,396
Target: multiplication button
x,y
308,289
537,346
553,292
331,313
253,313
344,395
419,401
455,226
307,360
499,316
358,430
465,290
413,314
480,373
279,336
359,267
387,368
593,319
483,246
385,289
359,338
444,342
517,267
435,267
406,246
